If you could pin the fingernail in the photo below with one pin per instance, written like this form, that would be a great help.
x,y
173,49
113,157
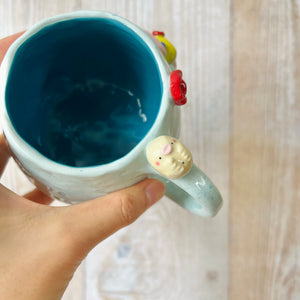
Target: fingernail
x,y
154,192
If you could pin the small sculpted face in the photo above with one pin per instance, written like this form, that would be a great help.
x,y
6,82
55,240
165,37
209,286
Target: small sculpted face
x,y
169,157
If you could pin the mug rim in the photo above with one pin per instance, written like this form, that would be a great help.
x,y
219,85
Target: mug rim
x,y
28,152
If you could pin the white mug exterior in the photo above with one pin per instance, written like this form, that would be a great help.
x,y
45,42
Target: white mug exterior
x,y
72,184
76,184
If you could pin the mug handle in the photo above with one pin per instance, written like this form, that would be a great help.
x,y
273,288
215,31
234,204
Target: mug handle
x,y
202,198
190,188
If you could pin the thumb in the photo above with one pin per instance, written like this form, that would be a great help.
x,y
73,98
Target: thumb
x,y
92,221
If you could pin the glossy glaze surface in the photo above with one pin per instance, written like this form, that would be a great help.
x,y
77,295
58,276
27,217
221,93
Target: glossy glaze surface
x,y
84,92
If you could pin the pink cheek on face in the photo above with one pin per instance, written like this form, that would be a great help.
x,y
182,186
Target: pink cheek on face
x,y
157,163
174,141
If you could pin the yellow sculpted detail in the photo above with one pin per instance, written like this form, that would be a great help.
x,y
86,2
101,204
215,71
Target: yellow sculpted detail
x,y
171,51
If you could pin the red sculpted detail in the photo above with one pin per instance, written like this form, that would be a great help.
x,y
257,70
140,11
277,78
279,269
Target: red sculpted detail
x,y
178,87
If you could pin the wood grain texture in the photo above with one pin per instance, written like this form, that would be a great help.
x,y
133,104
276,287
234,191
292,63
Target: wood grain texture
x,y
193,249
265,187
241,61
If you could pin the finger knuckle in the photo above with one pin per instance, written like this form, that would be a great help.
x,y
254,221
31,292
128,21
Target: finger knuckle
x,y
127,210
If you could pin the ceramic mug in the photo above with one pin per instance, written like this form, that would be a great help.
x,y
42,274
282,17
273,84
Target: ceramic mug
x,y
90,105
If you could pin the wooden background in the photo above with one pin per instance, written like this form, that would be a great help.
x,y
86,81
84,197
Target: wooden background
x,y
241,60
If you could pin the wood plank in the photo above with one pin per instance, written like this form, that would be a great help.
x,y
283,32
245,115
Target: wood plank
x,y
192,249
17,16
265,166
168,253
264,189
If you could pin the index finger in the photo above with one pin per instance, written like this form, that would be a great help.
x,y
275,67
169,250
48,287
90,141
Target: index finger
x,y
4,154
6,42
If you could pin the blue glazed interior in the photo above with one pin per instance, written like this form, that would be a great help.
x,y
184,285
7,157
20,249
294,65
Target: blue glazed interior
x,y
84,92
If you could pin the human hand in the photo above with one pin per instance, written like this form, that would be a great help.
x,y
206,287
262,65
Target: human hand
x,y
41,246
